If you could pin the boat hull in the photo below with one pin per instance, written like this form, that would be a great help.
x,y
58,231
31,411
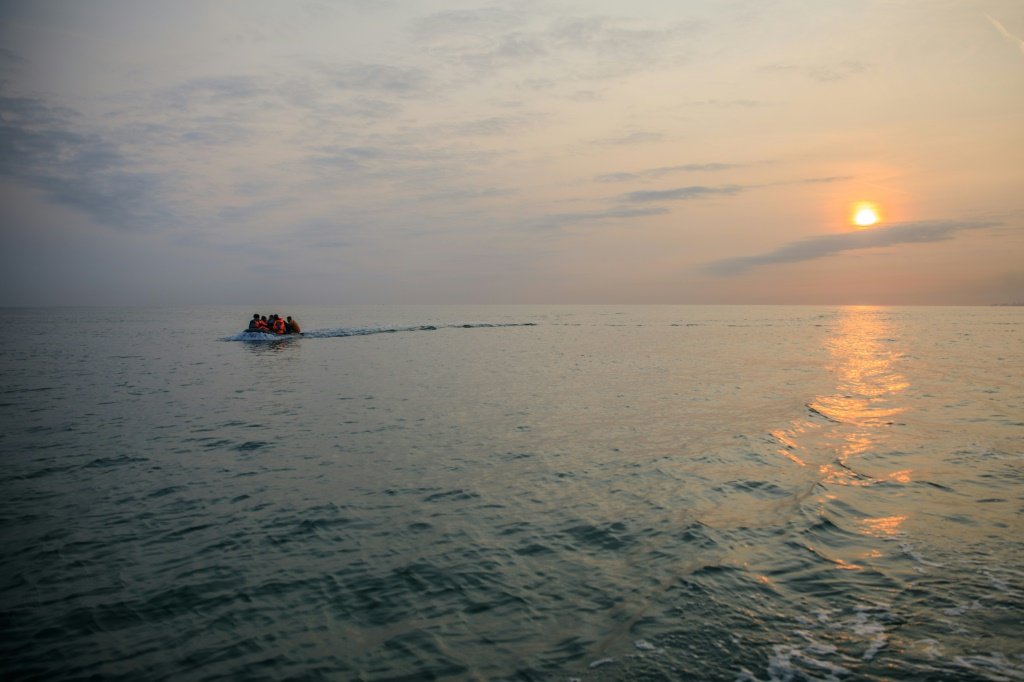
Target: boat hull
x,y
250,335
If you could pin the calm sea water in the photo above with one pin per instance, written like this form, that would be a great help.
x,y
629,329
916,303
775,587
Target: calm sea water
x,y
592,493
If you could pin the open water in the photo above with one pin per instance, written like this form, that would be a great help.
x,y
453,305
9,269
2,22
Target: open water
x,y
514,493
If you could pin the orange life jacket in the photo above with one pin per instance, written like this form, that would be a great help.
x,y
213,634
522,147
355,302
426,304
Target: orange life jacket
x,y
279,327
262,324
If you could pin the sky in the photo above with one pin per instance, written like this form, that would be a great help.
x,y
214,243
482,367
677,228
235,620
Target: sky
x,y
442,151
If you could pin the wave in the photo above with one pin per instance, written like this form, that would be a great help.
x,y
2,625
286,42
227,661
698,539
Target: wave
x,y
367,331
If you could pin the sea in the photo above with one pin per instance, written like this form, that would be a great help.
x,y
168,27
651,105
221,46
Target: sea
x,y
513,493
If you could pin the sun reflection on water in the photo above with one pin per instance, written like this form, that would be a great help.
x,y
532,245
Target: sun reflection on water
x,y
848,426
865,402
857,417
882,527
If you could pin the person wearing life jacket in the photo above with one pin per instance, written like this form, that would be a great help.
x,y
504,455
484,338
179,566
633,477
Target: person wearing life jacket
x,y
292,326
263,325
254,323
279,326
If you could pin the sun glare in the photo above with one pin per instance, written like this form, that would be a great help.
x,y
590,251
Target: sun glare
x,y
865,215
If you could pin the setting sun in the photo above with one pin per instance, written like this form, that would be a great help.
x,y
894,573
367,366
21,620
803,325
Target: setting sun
x,y
865,215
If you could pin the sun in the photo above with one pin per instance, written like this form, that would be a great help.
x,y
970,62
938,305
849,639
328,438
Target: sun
x,y
865,214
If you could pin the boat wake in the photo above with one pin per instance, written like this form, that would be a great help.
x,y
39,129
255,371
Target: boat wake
x,y
368,331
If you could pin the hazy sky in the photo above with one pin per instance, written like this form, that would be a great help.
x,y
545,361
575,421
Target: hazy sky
x,y
437,151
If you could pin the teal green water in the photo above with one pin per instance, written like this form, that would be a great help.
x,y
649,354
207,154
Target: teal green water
x,y
598,493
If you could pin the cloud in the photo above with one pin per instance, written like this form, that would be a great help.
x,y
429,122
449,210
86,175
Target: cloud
x,y
215,90
725,103
824,73
394,161
681,193
375,78
243,213
816,181
490,127
41,147
666,170
320,233
465,23
698,191
838,72
826,245
582,46
1013,40
464,194
639,137
327,92
349,157
10,56
554,220
603,35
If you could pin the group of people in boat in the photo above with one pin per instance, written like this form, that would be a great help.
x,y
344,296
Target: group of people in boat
x,y
274,324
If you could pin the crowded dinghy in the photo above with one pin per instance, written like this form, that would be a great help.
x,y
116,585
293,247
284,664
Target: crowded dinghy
x,y
273,326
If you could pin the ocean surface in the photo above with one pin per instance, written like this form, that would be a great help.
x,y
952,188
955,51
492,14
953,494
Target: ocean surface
x,y
513,493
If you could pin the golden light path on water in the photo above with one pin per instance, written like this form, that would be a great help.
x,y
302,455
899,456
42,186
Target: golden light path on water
x,y
856,419
868,386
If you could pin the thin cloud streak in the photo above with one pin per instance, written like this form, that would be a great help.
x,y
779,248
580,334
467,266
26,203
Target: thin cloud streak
x,y
698,191
833,73
666,170
827,245
563,219
681,193
1006,34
